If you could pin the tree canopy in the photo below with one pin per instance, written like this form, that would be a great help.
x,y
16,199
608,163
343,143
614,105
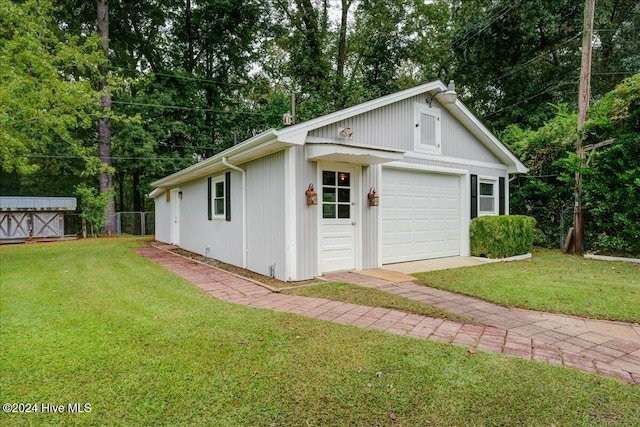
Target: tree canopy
x,y
190,77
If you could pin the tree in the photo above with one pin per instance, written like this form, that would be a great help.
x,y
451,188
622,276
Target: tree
x,y
46,96
513,59
612,180
93,207
543,193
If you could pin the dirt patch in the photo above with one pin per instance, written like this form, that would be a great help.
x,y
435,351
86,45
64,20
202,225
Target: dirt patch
x,y
269,281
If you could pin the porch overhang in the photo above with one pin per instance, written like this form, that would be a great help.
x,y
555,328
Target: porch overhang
x,y
354,154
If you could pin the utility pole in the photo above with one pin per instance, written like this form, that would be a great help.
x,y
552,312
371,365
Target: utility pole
x,y
583,107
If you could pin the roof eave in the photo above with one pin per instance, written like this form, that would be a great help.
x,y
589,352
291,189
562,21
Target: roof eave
x,y
240,153
488,139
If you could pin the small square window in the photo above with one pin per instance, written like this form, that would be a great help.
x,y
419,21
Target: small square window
x,y
328,194
344,179
344,194
328,211
344,211
328,178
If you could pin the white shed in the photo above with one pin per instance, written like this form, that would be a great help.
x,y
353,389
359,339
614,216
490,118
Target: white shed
x,y
433,165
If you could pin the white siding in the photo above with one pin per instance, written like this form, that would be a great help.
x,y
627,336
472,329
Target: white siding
x,y
266,214
393,126
307,231
370,217
163,219
197,232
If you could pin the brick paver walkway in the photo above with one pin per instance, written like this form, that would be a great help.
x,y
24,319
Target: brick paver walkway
x,y
611,357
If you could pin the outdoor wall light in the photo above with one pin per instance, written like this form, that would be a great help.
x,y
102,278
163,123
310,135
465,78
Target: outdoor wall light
x,y
374,199
312,196
180,195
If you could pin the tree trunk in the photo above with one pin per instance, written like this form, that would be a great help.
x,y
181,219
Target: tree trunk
x,y
104,131
342,56
137,202
190,62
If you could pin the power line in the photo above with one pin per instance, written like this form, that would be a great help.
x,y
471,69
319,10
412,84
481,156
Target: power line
x,y
210,110
549,89
176,76
37,156
535,58
490,21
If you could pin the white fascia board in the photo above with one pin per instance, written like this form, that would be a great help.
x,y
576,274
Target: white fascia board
x,y
493,144
156,192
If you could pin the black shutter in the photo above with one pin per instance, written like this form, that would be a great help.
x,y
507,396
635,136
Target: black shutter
x,y
474,196
209,201
227,195
501,195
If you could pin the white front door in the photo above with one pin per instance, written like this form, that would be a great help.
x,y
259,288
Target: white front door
x,y
175,217
339,212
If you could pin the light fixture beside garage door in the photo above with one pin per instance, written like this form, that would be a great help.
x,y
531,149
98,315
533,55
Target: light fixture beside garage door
x,y
374,199
312,196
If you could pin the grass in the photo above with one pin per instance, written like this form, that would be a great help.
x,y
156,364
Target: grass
x,y
93,322
346,292
552,282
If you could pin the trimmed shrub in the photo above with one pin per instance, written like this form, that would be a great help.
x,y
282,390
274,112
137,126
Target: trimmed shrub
x,y
502,236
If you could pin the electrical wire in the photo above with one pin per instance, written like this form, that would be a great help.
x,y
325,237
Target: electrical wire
x,y
38,156
207,110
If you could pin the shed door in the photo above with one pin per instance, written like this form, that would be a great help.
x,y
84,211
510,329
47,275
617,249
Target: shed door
x,y
338,212
420,215
175,216
15,225
48,224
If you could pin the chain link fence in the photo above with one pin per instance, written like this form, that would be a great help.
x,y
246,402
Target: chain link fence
x,y
552,225
135,223
128,223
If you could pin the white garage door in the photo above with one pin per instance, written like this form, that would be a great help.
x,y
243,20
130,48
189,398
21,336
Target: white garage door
x,y
420,215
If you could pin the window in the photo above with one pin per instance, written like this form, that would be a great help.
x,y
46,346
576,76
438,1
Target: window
x,y
427,129
487,197
336,194
217,200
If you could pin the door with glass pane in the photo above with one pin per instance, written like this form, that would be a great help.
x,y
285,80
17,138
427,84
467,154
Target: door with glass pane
x,y
338,221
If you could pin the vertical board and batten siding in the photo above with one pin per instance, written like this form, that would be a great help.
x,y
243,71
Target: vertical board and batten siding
x,y
266,215
459,143
393,126
307,216
370,228
197,232
163,219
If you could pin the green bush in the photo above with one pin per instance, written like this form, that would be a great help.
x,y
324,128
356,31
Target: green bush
x,y
502,236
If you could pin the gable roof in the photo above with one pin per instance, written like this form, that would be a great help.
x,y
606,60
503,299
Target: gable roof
x,y
274,140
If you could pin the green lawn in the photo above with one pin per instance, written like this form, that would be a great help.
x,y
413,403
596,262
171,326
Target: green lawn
x,y
553,282
93,322
355,294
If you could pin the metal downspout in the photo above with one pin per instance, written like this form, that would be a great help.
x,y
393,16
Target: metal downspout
x,y
225,162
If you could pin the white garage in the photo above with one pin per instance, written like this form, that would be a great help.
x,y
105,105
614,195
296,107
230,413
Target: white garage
x,y
421,215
